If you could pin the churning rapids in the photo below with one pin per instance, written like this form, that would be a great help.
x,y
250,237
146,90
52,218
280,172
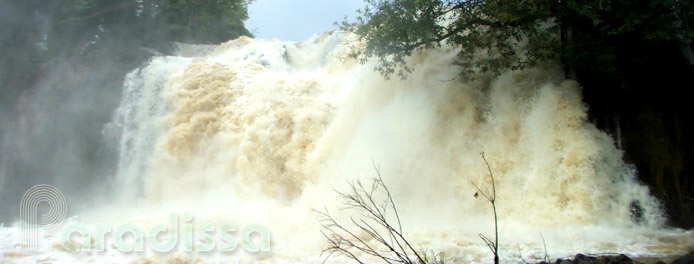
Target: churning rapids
x,y
261,132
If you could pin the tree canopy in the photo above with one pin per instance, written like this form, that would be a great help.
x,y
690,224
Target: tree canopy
x,y
76,24
36,32
518,34
64,63
633,58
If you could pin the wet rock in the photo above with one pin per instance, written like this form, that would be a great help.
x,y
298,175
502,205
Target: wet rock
x,y
583,259
564,261
686,259
620,259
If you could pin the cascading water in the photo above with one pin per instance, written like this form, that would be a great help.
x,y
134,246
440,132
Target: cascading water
x,y
263,131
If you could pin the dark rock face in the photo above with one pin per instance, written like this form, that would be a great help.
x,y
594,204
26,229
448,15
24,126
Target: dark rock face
x,y
621,259
650,115
686,259
583,259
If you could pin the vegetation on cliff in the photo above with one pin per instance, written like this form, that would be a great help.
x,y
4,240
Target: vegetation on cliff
x,y
61,58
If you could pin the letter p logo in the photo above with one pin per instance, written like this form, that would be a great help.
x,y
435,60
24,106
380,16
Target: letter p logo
x,y
29,209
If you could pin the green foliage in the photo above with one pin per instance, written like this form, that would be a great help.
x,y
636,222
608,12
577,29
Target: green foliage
x,y
101,32
392,30
499,35
64,63
204,21
78,27
628,55
617,39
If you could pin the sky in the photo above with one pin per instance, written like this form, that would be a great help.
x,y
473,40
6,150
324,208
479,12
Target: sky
x,y
297,20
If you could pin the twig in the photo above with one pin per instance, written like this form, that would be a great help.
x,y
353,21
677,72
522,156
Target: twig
x,y
491,197
374,223
545,246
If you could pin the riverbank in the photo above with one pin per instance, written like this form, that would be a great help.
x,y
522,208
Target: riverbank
x,y
624,259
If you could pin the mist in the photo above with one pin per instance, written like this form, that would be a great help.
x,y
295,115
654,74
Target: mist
x,y
61,81
146,113
53,113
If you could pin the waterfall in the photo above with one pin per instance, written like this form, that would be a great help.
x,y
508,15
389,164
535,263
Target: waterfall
x,y
263,131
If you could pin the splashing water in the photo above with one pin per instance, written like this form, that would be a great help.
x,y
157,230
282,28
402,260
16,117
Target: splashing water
x,y
263,131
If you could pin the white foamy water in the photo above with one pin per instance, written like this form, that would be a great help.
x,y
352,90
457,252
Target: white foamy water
x,y
263,132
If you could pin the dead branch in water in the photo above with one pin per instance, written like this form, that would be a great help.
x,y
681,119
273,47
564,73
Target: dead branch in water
x,y
373,234
491,197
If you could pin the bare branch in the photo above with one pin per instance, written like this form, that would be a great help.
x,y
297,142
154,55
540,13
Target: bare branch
x,y
491,197
491,175
380,233
545,246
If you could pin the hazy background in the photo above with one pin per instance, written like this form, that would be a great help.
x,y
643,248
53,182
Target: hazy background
x,y
61,79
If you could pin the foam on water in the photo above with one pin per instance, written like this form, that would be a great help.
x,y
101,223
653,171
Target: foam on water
x,y
263,131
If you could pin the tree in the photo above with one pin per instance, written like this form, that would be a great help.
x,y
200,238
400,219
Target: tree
x,y
64,62
36,32
630,56
392,30
204,21
155,22
514,34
